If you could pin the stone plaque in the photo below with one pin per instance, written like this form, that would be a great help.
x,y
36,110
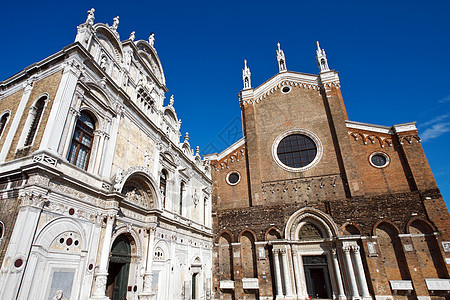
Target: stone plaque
x,y
408,247
446,246
401,285
435,284
250,283
61,285
372,248
261,252
236,254
227,284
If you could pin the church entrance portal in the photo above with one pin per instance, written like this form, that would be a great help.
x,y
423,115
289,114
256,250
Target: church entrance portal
x,y
119,266
317,277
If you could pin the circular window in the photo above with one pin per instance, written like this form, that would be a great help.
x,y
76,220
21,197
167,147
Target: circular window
x,y
379,159
297,150
233,178
285,89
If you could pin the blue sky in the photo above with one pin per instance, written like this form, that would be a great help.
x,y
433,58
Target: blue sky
x,y
392,56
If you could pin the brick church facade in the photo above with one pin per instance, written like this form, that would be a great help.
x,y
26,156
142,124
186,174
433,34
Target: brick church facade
x,y
309,204
100,199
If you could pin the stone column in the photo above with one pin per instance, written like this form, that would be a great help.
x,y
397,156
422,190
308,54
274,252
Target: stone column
x,y
20,244
287,273
276,264
102,274
337,272
351,273
110,148
361,273
148,275
298,281
72,120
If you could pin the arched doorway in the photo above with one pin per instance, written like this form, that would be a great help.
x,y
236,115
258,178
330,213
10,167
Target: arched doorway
x,y
118,271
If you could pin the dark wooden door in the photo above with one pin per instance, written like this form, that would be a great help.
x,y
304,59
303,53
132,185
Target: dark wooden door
x,y
119,268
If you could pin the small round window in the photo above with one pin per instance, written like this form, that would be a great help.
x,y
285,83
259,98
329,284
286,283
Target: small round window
x,y
379,159
297,150
233,178
286,89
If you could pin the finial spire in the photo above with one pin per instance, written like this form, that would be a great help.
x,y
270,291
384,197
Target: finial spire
x,y
321,57
90,17
281,60
246,76
171,101
186,137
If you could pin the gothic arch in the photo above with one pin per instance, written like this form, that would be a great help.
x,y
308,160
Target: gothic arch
x,y
224,232
318,218
272,229
132,235
247,230
144,180
94,115
104,98
385,221
247,240
430,226
391,248
150,53
103,30
351,229
427,248
57,226
164,247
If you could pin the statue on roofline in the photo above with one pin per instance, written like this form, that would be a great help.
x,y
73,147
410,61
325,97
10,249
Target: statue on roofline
x,y
90,17
151,39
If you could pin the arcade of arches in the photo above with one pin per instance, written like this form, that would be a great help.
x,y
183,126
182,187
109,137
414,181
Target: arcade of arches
x,y
313,259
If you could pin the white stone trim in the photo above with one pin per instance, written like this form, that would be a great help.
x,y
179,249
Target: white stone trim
x,y
368,127
309,134
382,154
225,152
228,175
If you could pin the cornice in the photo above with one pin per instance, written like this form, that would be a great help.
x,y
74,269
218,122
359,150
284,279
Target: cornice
x,y
404,127
227,151
302,80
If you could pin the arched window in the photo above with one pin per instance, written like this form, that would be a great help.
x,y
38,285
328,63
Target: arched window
x,y
2,231
163,186
181,197
81,146
3,121
32,122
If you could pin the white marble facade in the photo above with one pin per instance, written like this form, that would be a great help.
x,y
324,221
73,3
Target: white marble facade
x,y
136,182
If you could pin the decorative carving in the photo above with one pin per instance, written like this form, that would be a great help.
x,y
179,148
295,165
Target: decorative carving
x,y
355,249
346,249
32,199
115,24
309,232
90,17
409,139
100,284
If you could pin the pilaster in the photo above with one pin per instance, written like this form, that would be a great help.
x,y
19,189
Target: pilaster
x,y
60,109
